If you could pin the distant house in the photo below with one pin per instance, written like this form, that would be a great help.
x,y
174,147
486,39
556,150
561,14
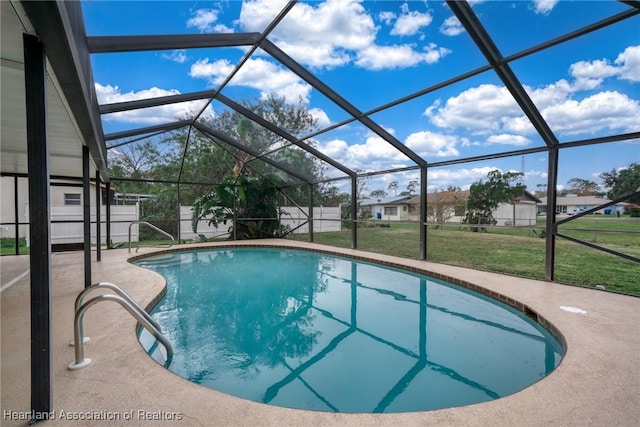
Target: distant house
x,y
451,207
521,213
574,204
388,208
443,206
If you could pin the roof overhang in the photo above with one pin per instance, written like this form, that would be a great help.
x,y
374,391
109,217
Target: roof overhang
x,y
73,119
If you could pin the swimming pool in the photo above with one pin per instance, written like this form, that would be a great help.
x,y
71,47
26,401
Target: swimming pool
x,y
315,331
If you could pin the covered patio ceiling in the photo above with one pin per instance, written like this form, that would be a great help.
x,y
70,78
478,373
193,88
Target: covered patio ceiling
x,y
71,124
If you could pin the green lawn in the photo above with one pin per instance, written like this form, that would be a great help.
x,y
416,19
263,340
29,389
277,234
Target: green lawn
x,y
8,246
513,251
505,250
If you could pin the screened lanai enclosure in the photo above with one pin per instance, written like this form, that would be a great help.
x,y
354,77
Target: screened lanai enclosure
x,y
270,138
312,157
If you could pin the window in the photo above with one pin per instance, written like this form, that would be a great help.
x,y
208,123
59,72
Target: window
x,y
391,210
459,211
71,199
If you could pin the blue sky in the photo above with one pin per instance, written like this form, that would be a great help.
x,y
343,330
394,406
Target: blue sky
x,y
375,52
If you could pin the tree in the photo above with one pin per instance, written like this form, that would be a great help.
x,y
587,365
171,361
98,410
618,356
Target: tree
x,y
583,187
393,186
253,178
250,205
541,190
136,161
297,120
441,206
621,182
484,197
377,194
331,196
411,187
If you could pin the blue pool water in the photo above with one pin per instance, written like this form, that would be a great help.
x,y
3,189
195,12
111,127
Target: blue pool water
x,y
309,330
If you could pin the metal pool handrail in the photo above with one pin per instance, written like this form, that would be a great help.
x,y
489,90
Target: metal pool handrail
x,y
121,293
81,361
152,226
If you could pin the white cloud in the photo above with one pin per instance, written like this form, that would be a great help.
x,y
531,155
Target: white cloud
x,y
335,33
480,109
544,7
387,17
629,64
178,56
398,56
597,69
605,110
341,24
108,94
428,144
443,177
508,139
626,66
316,55
451,26
491,111
259,74
374,154
321,116
409,22
256,15
203,20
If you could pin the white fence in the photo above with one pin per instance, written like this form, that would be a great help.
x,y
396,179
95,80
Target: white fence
x,y
519,215
324,219
73,232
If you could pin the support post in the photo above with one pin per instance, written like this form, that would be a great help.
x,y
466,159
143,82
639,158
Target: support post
x,y
16,217
86,205
98,215
39,226
423,213
179,213
310,213
108,214
552,228
354,212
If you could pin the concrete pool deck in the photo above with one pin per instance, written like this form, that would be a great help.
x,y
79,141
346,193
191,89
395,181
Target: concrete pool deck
x,y
597,383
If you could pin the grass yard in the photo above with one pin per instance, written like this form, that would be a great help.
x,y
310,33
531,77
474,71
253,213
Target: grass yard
x,y
8,246
516,251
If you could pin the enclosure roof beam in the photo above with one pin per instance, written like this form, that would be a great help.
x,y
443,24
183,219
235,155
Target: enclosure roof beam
x,y
601,140
305,75
632,3
481,38
155,102
112,44
151,129
228,140
280,132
